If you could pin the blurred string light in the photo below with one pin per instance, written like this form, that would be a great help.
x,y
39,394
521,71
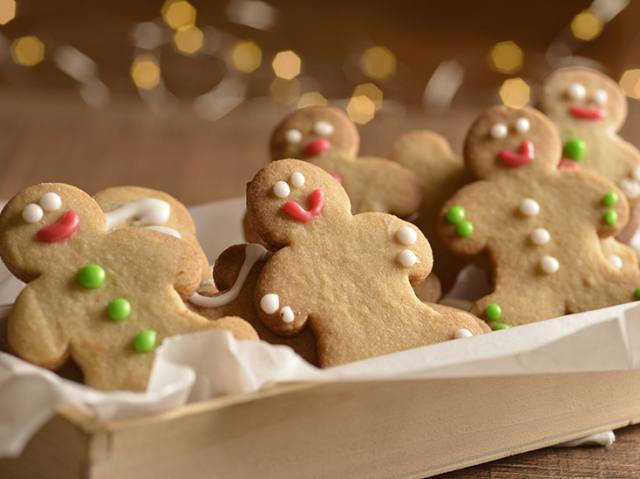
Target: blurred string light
x,y
147,35
145,71
178,14
252,13
285,91
587,25
372,92
378,63
506,57
313,98
7,11
442,86
84,70
27,51
189,39
361,109
245,56
515,93
287,65
630,83
223,98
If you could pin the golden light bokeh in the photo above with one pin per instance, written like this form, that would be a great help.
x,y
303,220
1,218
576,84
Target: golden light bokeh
x,y
378,63
506,57
313,98
587,25
630,83
27,51
188,39
178,13
145,71
285,91
370,91
287,65
7,11
246,56
361,109
515,93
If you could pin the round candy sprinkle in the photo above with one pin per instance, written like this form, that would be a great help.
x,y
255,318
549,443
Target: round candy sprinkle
x,y
611,217
407,258
464,229
549,264
50,201
407,235
575,148
615,260
529,207
610,198
91,276
145,342
499,326
287,315
540,236
293,136
281,189
119,309
297,179
462,333
455,215
32,213
493,312
636,293
498,131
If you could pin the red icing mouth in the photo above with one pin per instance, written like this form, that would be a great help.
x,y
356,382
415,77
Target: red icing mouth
x,y
515,160
297,212
317,147
587,113
64,228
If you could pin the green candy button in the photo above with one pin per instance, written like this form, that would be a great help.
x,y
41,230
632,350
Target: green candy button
x,y
575,148
464,229
145,342
455,215
91,276
500,326
610,198
611,217
493,312
119,309
636,293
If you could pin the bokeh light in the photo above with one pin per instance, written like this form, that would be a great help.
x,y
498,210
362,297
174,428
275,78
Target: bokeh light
x,y
370,91
630,83
285,91
178,13
27,51
145,71
246,56
188,39
587,25
287,65
361,109
313,98
378,63
7,11
506,57
515,93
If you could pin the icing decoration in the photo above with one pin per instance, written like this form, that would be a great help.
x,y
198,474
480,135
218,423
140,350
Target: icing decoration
x,y
287,315
549,264
575,148
529,207
323,128
65,227
493,312
615,261
568,165
91,276
540,236
498,131
32,213
462,333
297,212
600,97
577,91
337,177
407,235
456,215
148,211
407,258
522,125
464,229
119,309
270,303
631,188
610,198
514,160
165,230
50,201
500,326
587,113
145,342
317,147
252,254
611,217
297,179
281,189
293,136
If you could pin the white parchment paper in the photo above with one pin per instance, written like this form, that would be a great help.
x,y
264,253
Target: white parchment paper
x,y
208,364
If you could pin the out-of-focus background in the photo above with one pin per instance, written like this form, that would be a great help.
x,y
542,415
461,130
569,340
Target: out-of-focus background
x,y
182,96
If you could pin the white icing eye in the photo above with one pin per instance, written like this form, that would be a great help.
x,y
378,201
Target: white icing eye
x,y
522,125
407,235
50,201
287,315
32,213
615,261
549,264
630,188
576,92
293,136
540,236
600,97
498,131
323,128
297,179
407,258
462,333
270,303
529,207
281,189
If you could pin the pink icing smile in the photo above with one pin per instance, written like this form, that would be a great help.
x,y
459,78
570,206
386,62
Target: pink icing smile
x,y
317,147
515,160
587,113
297,212
64,228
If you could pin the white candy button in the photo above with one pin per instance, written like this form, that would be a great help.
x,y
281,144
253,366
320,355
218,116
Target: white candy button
x,y
287,315
407,258
636,173
498,131
270,303
323,128
407,235
577,91
549,264
630,188
522,125
529,207
615,261
293,136
540,236
32,213
281,189
50,201
600,97
297,179
462,333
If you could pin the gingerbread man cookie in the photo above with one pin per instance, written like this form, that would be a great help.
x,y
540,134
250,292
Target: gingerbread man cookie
x,y
105,299
348,276
540,225
589,108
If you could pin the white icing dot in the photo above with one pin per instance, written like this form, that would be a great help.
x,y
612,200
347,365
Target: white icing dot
x,y
270,303
281,189
407,258
499,130
50,201
600,97
323,128
297,179
529,207
540,236
462,333
293,136
636,173
32,213
577,91
407,235
630,188
549,264
287,315
522,125
615,261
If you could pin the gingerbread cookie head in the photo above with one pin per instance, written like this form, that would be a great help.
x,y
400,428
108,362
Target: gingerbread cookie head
x,y
505,139
314,132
